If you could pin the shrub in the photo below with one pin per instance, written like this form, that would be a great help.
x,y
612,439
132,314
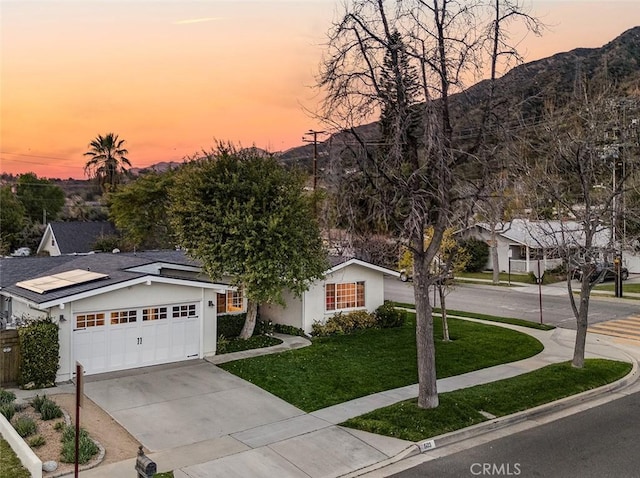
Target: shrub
x,y
59,426
37,441
8,410
230,326
50,410
288,330
263,327
342,323
478,254
6,396
25,426
388,316
86,449
39,348
37,401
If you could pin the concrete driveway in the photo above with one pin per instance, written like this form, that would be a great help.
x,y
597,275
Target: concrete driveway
x,y
171,406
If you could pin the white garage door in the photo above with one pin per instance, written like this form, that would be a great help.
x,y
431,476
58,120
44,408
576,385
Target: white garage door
x,y
122,339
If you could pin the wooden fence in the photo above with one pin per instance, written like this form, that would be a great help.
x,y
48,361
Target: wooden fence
x,y
9,357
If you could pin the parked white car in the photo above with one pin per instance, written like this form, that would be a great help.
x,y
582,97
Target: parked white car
x,y
21,252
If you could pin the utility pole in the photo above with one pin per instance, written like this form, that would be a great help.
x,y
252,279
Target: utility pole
x,y
315,134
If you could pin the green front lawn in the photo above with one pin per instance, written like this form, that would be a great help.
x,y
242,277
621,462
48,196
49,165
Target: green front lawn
x,y
10,466
338,369
611,287
461,408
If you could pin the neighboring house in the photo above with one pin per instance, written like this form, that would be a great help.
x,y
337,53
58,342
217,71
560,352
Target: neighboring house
x,y
74,237
350,284
522,242
118,311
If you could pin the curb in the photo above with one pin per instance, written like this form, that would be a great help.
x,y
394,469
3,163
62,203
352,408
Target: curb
x,y
424,446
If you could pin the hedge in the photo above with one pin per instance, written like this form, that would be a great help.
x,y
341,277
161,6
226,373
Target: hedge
x,y
40,349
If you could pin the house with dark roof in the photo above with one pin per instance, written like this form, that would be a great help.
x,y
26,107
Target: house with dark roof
x,y
74,237
117,311
348,285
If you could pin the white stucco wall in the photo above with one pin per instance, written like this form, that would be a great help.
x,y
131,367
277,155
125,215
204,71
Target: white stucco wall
x,y
291,314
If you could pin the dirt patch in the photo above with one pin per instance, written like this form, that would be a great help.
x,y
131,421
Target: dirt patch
x,y
117,442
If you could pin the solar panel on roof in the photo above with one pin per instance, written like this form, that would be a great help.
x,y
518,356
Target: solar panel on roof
x,y
59,281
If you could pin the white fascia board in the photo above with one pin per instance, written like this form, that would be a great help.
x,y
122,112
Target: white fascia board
x,y
219,288
368,265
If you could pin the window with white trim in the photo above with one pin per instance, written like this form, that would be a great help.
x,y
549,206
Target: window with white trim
x,y
183,311
232,301
124,317
154,313
344,295
89,320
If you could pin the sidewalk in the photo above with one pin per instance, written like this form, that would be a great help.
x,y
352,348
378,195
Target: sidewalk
x,y
311,445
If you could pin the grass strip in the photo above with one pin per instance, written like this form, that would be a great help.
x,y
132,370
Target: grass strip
x,y
10,465
461,408
340,368
490,318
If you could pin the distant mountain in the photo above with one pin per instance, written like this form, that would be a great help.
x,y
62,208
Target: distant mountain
x,y
162,167
524,90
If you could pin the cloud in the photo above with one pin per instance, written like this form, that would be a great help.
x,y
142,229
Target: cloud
x,y
197,20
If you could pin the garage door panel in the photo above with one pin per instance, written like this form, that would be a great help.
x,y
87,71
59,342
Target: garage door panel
x,y
134,338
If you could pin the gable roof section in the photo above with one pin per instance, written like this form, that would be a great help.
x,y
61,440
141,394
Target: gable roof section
x,y
77,237
547,234
341,263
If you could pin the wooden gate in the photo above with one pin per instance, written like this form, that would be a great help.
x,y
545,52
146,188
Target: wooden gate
x,y
9,357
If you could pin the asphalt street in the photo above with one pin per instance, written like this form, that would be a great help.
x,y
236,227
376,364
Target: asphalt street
x,y
509,302
598,443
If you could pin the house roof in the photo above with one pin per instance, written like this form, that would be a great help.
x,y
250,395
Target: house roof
x,y
79,237
118,268
340,262
547,234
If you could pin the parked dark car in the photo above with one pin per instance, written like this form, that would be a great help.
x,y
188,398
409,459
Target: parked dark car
x,y
609,270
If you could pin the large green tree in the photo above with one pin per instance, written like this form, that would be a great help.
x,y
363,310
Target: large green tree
x,y
42,199
139,211
11,220
107,160
244,216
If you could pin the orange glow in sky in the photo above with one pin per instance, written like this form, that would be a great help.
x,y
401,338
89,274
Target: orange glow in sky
x,y
170,77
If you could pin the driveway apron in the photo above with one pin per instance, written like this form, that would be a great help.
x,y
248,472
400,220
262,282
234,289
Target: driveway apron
x,y
172,406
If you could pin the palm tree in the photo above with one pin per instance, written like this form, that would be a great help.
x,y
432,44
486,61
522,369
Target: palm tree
x,y
107,160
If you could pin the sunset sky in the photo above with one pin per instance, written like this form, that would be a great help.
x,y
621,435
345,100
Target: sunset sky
x,y
170,77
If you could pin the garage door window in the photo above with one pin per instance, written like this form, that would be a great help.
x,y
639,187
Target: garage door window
x,y
124,317
154,313
186,311
89,320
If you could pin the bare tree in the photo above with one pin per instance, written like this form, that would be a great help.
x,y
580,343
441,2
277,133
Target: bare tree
x,y
578,167
405,61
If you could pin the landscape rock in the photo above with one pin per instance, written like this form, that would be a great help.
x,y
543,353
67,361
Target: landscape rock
x,y
50,465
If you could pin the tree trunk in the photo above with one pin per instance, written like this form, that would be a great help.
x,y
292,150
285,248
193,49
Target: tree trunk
x,y
443,310
582,323
427,387
494,255
250,321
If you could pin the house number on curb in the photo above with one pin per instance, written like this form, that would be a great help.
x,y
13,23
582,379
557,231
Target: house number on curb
x,y
139,340
427,445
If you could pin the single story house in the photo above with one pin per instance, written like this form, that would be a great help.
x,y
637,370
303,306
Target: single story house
x,y
349,284
521,242
73,237
117,311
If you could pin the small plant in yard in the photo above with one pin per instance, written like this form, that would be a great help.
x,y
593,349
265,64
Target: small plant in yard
x,y
50,410
59,426
25,426
8,410
388,316
37,441
37,401
87,448
6,396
